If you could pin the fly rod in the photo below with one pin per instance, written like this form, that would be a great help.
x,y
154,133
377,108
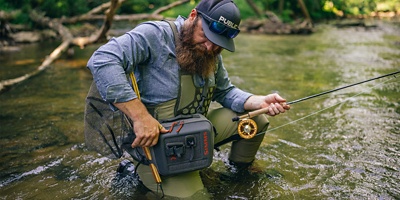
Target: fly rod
x,y
347,86
264,110
247,128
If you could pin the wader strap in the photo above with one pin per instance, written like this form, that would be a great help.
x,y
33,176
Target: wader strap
x,y
227,140
174,30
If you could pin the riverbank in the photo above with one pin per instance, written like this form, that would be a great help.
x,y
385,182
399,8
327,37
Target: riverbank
x,y
341,146
17,35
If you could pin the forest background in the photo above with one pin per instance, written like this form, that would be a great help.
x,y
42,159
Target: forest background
x,y
84,22
287,10
22,15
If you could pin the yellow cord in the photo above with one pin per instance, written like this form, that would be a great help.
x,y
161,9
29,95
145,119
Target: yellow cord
x,y
134,84
146,149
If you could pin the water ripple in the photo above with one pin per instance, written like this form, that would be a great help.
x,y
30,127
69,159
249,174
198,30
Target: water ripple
x,y
35,171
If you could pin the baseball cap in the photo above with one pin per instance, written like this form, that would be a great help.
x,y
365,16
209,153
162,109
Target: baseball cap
x,y
220,21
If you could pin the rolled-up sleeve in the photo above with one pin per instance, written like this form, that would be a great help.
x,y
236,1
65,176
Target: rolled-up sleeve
x,y
111,63
226,93
109,74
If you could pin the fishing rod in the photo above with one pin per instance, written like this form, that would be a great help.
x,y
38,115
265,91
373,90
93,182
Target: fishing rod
x,y
247,128
344,87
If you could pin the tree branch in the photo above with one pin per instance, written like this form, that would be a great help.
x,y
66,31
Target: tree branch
x,y
98,36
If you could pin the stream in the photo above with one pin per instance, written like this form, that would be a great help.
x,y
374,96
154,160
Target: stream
x,y
343,145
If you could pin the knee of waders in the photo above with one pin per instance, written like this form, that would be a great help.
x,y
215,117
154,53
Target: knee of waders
x,y
244,150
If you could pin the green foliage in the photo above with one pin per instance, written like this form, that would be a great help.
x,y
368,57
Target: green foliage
x,y
245,9
142,6
287,10
393,5
4,5
51,8
182,10
134,6
354,7
325,9
285,16
359,7
12,5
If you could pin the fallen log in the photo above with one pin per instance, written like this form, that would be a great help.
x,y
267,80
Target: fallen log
x,y
68,39
266,26
93,16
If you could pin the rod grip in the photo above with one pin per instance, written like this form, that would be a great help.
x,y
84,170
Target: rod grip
x,y
152,166
254,113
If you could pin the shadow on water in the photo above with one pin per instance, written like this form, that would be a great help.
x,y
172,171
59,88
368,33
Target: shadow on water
x,y
345,147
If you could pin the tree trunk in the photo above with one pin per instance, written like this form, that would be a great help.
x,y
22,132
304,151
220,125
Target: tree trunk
x,y
281,6
101,35
255,8
305,11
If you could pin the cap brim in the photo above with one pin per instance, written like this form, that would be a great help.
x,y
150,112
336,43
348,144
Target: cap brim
x,y
217,39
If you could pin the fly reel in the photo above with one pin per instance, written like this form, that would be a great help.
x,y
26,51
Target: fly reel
x,y
247,128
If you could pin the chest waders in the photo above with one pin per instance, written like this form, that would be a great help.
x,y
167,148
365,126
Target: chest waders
x,y
180,153
192,99
189,146
194,96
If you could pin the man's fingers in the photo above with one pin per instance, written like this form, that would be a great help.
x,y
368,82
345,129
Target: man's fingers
x,y
275,109
281,108
271,109
150,138
163,130
142,142
135,142
154,141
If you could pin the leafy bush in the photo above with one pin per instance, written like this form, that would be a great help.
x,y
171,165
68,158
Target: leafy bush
x,y
287,10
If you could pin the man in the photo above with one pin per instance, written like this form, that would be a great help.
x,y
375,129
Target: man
x,y
158,60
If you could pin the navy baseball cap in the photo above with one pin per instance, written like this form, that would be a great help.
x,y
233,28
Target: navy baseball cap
x,y
220,21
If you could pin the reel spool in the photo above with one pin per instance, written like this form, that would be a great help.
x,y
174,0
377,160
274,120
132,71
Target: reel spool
x,y
247,128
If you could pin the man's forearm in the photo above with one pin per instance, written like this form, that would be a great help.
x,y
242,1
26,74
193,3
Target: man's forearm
x,y
134,109
254,102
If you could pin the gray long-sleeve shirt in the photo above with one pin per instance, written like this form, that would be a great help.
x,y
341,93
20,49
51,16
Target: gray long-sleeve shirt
x,y
149,50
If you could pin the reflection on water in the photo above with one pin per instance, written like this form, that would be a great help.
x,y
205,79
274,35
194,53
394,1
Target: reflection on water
x,y
345,147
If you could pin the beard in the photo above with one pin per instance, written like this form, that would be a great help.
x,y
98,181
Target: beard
x,y
195,58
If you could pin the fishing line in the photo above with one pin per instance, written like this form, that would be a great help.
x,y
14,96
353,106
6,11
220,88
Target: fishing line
x,y
319,111
264,110
347,86
247,128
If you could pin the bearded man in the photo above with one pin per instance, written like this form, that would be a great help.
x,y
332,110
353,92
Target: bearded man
x,y
161,60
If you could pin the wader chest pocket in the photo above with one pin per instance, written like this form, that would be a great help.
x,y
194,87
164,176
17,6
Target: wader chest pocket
x,y
188,147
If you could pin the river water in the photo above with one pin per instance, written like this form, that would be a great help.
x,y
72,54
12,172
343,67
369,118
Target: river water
x,y
344,145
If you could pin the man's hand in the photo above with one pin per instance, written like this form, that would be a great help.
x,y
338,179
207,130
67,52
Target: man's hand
x,y
146,128
275,103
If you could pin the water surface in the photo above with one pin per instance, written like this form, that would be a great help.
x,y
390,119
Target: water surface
x,y
339,146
